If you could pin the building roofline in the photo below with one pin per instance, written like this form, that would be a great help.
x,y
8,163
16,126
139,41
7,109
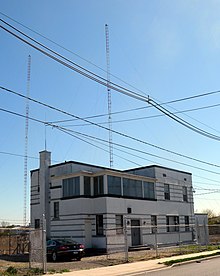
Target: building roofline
x,y
157,166
80,163
116,170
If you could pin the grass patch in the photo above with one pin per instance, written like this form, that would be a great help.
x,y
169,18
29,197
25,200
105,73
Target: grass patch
x,y
171,262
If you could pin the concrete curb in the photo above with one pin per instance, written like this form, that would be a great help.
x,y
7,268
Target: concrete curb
x,y
195,261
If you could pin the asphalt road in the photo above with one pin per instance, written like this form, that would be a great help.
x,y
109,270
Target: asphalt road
x,y
204,268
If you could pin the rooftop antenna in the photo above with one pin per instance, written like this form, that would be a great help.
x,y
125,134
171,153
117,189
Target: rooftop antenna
x,y
109,96
26,140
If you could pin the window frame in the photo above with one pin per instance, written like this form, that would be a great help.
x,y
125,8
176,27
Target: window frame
x,y
99,225
172,223
114,185
87,185
71,187
56,210
153,224
98,188
185,194
186,219
119,223
166,191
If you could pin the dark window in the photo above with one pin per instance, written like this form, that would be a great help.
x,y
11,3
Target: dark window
x,y
71,187
129,210
164,175
132,187
172,223
87,185
154,224
56,210
149,190
187,223
114,185
37,223
119,224
185,197
98,185
167,191
99,225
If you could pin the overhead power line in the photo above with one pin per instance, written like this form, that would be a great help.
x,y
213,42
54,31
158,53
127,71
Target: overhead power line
x,y
86,73
124,135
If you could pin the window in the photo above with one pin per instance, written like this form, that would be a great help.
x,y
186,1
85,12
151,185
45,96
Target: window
x,y
71,187
153,224
185,198
132,187
87,185
114,185
36,223
56,210
149,190
187,223
99,225
119,224
98,185
172,223
167,191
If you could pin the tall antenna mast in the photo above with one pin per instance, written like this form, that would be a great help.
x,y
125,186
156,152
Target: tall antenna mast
x,y
109,97
26,140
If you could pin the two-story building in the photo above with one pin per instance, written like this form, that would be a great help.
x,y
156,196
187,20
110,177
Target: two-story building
x,y
83,201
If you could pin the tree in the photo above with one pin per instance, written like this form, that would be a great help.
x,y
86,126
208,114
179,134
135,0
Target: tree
x,y
211,213
5,224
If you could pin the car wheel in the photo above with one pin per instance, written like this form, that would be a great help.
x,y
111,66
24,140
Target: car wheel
x,y
54,256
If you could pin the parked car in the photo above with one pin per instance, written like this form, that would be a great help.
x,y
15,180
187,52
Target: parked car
x,y
64,248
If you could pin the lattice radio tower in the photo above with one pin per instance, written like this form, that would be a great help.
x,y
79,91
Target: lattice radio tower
x,y
109,97
26,140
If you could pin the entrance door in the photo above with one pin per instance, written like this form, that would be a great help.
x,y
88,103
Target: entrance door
x,y
88,233
135,232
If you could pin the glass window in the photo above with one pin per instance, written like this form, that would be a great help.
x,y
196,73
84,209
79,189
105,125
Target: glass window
x,y
132,187
98,185
56,210
187,223
172,223
37,223
167,191
153,224
99,225
149,190
87,185
119,224
185,197
71,187
114,185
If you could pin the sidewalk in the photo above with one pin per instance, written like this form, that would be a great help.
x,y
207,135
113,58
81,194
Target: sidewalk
x,y
130,268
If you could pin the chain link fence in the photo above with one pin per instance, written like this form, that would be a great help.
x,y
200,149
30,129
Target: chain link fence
x,y
146,242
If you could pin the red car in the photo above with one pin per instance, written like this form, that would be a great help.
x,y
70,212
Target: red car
x,y
66,249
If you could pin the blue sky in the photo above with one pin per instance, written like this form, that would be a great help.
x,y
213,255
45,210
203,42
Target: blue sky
x,y
167,49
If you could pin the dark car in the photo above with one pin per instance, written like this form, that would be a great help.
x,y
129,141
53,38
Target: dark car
x,y
66,249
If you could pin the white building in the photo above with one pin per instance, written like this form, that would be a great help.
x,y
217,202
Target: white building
x,y
80,201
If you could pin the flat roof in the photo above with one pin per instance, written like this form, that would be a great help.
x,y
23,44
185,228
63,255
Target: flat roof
x,y
156,166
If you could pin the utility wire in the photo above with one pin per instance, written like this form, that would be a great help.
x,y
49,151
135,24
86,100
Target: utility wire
x,y
105,128
135,119
103,81
116,144
64,48
95,138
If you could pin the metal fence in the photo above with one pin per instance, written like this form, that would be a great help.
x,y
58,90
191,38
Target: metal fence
x,y
160,241
24,245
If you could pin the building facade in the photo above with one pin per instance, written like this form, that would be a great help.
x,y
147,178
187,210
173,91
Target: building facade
x,y
94,205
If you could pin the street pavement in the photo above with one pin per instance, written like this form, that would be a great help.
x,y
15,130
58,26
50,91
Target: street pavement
x,y
132,268
207,267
